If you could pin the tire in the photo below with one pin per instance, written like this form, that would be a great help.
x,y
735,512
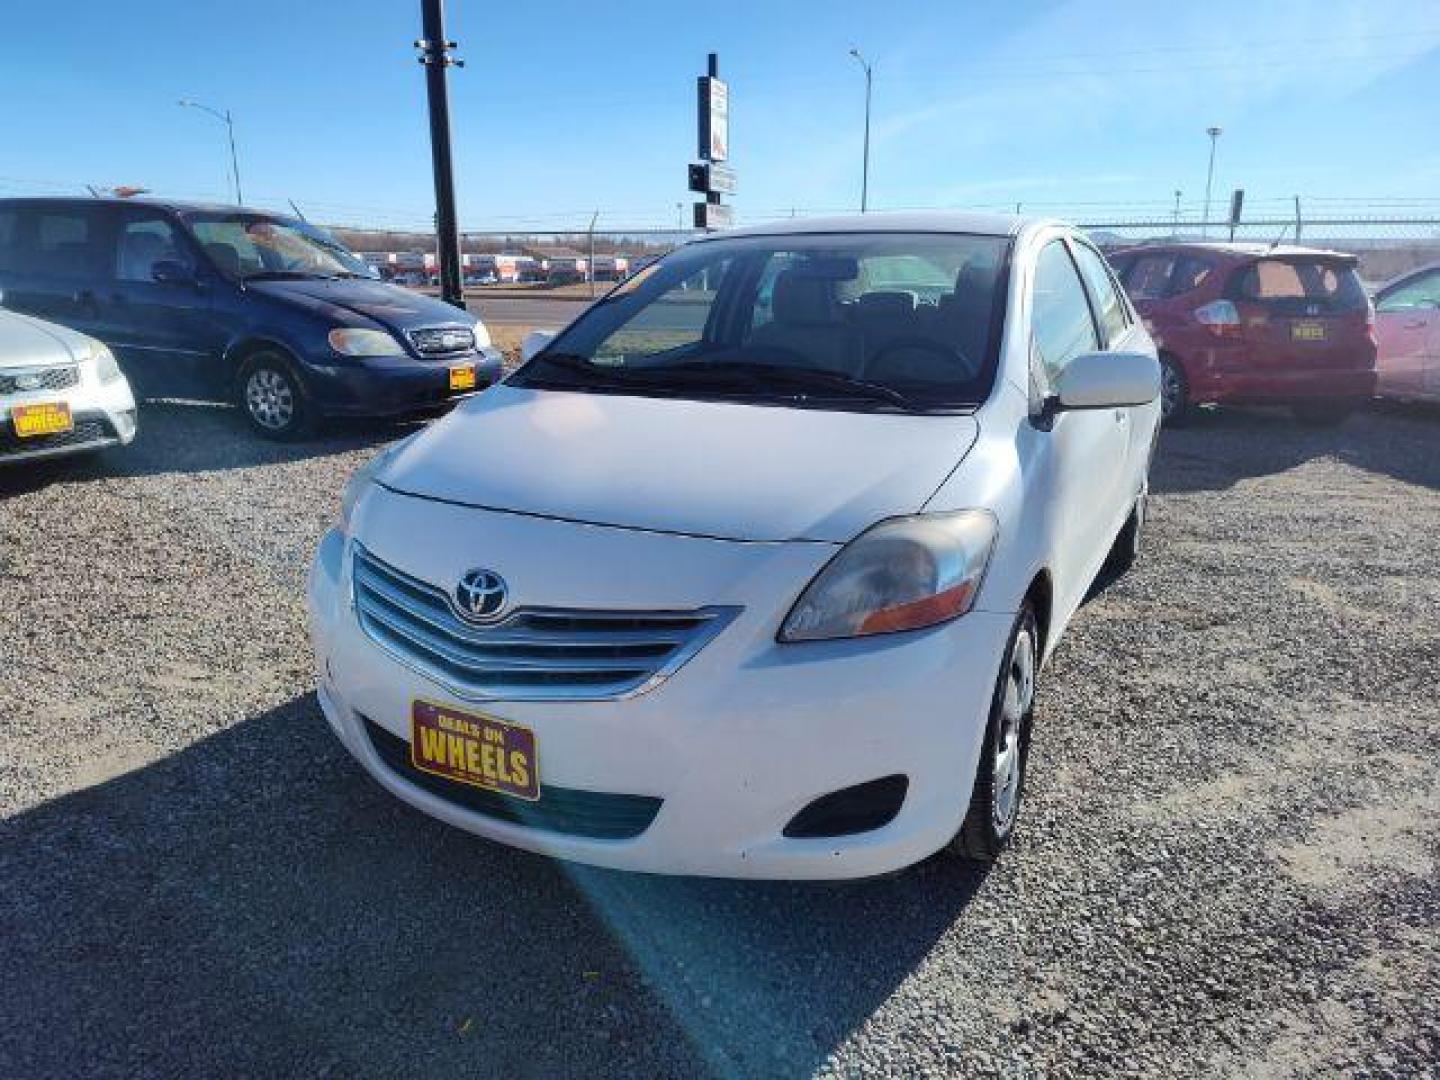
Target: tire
x,y
1000,777
272,397
1321,413
1175,405
1126,549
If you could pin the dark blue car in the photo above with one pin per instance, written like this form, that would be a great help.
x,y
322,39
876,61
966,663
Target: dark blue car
x,y
221,303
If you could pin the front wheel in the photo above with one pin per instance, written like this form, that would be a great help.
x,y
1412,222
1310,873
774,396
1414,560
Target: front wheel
x,y
1000,776
272,397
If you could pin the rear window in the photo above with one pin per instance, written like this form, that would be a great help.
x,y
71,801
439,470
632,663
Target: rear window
x,y
1301,286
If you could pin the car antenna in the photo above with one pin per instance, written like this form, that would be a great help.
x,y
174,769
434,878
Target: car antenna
x,y
1276,242
298,212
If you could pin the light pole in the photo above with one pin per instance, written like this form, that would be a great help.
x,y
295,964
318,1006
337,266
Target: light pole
x,y
229,130
1214,133
1175,220
865,165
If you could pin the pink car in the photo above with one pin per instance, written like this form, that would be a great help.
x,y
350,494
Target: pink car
x,y
1407,324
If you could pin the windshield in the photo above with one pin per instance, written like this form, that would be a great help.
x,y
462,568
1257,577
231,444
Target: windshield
x,y
868,320
244,246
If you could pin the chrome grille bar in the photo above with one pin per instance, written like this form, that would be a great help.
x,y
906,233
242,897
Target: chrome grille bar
x,y
548,654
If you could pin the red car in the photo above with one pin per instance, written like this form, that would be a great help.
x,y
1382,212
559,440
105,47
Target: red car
x,y
1255,324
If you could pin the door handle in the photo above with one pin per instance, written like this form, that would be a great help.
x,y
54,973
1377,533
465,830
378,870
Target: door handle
x,y
1119,416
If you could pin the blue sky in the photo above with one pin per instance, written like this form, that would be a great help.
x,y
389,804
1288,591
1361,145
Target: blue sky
x,y
1077,107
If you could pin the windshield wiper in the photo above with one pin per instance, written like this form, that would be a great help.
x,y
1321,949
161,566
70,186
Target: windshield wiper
x,y
775,376
284,275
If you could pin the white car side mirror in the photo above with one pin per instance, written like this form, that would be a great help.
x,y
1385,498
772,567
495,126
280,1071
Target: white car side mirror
x,y
534,342
1108,380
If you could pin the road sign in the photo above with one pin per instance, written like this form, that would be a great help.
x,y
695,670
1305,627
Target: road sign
x,y
714,118
710,215
1237,202
712,179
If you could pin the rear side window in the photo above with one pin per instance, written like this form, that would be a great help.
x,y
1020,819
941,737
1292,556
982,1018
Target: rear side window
x,y
1149,277
1060,321
1301,286
1109,308
1190,273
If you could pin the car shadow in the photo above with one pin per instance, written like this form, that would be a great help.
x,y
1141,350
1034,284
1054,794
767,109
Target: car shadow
x,y
192,437
254,905
1219,448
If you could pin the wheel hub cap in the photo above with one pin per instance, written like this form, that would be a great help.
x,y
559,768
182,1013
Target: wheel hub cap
x,y
270,399
1019,696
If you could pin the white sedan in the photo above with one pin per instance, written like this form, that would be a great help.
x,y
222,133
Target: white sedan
x,y
61,392
752,569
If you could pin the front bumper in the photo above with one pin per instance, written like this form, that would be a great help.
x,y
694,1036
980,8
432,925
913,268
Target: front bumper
x,y
104,415
394,386
733,745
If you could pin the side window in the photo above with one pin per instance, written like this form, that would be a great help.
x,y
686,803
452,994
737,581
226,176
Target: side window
x,y
68,244
10,240
1149,277
143,242
1422,291
1109,308
1190,273
1060,320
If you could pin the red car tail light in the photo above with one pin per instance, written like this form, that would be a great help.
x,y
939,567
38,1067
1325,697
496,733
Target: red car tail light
x,y
1221,318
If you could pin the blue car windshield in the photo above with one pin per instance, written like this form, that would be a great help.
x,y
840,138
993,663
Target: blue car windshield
x,y
878,320
246,245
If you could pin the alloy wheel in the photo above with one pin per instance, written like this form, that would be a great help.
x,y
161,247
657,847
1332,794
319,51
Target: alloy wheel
x,y
1009,749
1172,391
270,399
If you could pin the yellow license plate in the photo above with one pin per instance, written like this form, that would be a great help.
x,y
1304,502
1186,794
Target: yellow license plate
x,y
45,418
474,749
1307,331
463,377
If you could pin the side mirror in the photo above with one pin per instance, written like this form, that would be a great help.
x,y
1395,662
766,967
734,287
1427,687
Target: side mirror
x,y
1108,380
534,342
170,272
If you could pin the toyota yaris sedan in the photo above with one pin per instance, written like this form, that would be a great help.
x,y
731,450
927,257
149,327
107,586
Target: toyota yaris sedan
x,y
752,570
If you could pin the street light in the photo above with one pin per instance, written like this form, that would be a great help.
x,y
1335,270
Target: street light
x,y
1214,133
865,166
230,130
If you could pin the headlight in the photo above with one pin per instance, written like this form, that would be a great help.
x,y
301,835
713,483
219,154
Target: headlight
x,y
105,366
482,336
361,479
353,341
902,574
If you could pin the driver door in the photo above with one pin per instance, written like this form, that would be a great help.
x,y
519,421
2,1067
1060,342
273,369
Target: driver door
x,y
162,331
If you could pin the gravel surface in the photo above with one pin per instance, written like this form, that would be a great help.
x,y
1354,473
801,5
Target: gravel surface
x,y
1227,862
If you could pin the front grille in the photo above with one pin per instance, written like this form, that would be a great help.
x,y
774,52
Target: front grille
x,y
85,431
443,340
595,814
24,380
532,653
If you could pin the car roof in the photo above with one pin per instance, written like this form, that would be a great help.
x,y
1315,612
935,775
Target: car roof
x,y
1238,250
154,204
925,221
1412,272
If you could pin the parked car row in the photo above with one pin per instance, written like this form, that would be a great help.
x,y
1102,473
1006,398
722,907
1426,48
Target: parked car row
x,y
225,304
1286,325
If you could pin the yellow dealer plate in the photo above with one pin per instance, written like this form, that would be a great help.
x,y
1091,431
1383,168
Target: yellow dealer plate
x,y
45,418
474,749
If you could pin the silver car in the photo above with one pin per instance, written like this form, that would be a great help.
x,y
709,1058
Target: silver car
x,y
61,392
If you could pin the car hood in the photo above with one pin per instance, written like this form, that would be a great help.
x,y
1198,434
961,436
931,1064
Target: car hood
x,y
716,469
344,298
27,342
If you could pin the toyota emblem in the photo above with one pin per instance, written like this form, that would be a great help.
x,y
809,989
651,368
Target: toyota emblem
x,y
481,594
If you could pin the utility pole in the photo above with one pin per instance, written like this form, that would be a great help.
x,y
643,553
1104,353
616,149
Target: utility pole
x,y
593,218
865,161
435,56
1214,133
229,122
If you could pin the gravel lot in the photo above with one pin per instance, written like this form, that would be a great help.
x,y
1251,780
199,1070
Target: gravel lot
x,y
1228,860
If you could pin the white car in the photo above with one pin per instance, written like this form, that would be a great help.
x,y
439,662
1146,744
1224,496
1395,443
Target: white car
x,y
61,392
751,570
